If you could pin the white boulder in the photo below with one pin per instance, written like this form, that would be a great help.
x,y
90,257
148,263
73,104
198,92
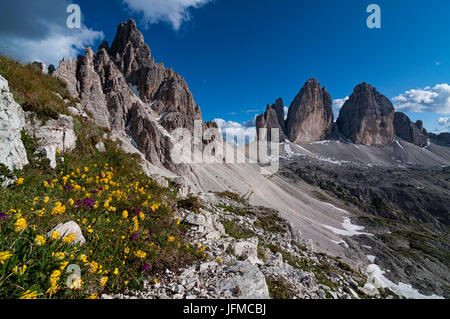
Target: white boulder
x,y
12,121
67,229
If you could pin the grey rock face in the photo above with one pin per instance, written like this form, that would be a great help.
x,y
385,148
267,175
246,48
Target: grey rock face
x,y
248,283
409,131
367,117
12,121
53,136
442,139
124,90
310,116
247,250
163,88
270,120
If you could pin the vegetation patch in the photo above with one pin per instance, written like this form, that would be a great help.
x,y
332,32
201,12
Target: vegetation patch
x,y
131,231
280,288
35,91
236,231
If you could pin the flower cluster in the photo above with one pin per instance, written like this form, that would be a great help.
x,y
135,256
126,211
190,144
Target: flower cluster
x,y
126,219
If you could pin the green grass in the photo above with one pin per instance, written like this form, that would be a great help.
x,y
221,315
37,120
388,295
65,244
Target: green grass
x,y
233,196
236,231
33,90
280,289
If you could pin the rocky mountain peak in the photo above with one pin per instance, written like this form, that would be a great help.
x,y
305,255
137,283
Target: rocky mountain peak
x,y
310,116
270,120
125,91
128,35
410,131
367,117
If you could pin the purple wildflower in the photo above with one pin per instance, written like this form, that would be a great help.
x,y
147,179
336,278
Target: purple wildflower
x,y
88,203
145,267
3,216
134,237
79,203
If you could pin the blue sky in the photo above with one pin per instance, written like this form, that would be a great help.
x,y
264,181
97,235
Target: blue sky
x,y
237,56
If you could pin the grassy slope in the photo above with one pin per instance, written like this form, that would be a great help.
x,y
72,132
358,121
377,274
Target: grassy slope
x,y
93,189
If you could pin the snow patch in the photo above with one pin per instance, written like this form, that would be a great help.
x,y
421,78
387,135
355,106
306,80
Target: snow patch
x,y
343,242
349,229
398,143
405,290
337,208
134,88
371,258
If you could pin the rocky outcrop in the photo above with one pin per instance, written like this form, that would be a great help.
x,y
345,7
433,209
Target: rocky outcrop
x,y
164,89
53,136
122,89
409,131
40,66
310,116
12,120
367,117
271,120
442,139
271,261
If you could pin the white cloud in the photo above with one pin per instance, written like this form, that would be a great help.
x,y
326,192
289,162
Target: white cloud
x,y
52,48
444,122
174,12
337,105
434,100
236,133
37,31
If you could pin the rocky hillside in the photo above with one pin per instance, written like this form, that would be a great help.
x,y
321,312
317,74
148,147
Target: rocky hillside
x,y
121,88
81,219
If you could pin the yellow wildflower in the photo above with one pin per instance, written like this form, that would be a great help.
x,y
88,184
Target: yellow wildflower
x,y
5,255
125,214
20,270
171,239
103,281
46,199
64,265
75,283
93,296
20,224
71,202
29,295
59,209
39,240
20,181
55,235
94,267
59,255
69,239
140,254
116,271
